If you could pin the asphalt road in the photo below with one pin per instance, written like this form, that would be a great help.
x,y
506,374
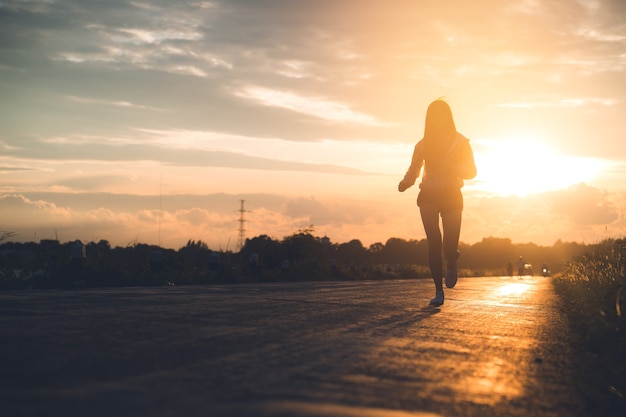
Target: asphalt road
x,y
497,347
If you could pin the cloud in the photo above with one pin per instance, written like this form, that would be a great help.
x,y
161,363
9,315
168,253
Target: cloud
x,y
562,103
194,217
153,36
87,182
123,104
585,205
31,6
128,151
6,169
20,211
582,212
158,36
312,106
216,221
318,213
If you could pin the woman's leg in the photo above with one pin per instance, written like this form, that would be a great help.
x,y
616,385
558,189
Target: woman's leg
x,y
430,220
451,222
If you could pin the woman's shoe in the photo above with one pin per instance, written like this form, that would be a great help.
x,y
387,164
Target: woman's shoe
x,y
438,300
451,275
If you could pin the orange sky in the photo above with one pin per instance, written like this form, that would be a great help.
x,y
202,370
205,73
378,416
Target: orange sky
x,y
150,120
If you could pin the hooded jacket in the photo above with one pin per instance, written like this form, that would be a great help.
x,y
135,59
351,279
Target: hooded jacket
x,y
457,165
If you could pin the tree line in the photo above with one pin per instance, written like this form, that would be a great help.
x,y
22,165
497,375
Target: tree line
x,y
301,256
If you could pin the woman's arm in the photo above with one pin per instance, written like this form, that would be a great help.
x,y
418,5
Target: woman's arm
x,y
417,161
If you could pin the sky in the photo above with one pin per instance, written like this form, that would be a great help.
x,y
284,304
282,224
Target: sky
x,y
150,121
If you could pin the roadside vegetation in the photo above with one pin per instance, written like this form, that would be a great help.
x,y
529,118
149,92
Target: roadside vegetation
x,y
593,290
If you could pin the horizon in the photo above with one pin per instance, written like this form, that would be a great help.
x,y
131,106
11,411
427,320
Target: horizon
x,y
7,237
150,121
231,246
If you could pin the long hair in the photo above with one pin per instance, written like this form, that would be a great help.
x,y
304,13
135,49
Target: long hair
x,y
439,132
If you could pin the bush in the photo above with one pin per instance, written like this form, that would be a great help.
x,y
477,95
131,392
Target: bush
x,y
593,290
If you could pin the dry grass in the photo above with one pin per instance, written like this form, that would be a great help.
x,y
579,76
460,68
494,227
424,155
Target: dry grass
x,y
593,290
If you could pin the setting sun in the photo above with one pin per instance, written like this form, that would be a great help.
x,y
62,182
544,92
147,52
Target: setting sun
x,y
523,166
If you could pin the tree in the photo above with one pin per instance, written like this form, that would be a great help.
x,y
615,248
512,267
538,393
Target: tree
x,y
489,253
351,252
301,246
266,248
402,251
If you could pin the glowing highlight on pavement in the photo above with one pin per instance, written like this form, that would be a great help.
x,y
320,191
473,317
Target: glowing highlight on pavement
x,y
512,290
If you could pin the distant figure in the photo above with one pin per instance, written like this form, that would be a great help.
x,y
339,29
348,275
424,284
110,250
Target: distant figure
x,y
214,264
520,266
509,269
77,255
253,263
448,159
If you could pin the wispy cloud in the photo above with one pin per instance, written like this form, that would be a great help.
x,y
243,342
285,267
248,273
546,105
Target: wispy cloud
x,y
561,103
31,6
5,169
312,106
120,103
140,36
6,146
193,149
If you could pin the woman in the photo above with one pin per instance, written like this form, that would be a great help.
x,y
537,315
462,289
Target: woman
x,y
447,159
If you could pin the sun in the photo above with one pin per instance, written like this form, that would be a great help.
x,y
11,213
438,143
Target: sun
x,y
523,166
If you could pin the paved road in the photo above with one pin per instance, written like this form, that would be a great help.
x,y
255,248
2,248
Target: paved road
x,y
497,347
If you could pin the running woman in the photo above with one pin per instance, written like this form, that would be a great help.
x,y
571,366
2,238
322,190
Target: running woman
x,y
448,159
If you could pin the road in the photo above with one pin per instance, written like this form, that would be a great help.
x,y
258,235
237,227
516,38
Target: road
x,y
499,346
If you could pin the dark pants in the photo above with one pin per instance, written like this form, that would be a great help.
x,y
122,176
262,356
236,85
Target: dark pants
x,y
448,243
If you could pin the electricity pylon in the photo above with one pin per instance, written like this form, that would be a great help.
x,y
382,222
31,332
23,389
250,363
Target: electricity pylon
x,y
242,227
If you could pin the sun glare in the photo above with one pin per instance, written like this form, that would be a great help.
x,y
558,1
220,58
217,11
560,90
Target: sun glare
x,y
524,166
512,290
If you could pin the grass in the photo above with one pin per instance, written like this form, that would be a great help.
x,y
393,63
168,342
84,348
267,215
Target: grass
x,y
593,288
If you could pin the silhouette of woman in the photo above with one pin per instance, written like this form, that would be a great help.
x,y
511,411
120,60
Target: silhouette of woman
x,y
448,159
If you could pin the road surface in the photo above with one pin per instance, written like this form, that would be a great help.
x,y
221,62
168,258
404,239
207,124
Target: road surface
x,y
499,346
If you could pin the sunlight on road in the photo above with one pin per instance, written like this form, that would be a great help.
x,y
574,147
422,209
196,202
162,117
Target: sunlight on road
x,y
477,349
337,410
493,377
512,290
493,380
